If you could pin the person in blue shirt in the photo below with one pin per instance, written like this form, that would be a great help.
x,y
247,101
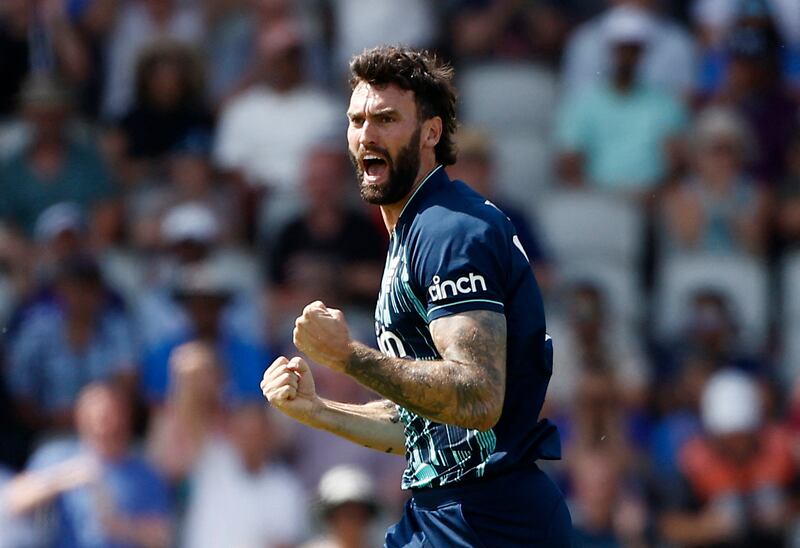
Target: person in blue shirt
x,y
103,495
464,358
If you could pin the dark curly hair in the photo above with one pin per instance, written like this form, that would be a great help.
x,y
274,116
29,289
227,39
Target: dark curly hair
x,y
419,71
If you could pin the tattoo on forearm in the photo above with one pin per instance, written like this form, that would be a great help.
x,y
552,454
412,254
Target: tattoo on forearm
x,y
464,388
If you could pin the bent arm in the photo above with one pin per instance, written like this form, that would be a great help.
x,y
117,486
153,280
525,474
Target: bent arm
x,y
375,425
31,490
465,388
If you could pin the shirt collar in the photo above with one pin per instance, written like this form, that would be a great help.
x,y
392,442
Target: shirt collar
x,y
431,180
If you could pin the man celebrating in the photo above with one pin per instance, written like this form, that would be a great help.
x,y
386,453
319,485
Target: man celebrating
x,y
464,361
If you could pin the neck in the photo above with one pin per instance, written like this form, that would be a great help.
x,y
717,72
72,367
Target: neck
x,y
391,212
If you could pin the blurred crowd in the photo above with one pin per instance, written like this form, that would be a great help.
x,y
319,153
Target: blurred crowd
x,y
175,187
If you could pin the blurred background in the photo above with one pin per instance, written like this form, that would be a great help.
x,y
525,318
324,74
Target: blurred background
x,y
175,187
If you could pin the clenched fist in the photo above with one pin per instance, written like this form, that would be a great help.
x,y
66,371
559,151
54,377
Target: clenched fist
x,y
289,386
321,333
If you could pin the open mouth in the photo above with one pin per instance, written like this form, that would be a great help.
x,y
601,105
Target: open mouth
x,y
375,166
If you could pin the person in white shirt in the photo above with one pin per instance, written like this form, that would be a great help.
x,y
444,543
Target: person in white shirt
x,y
142,23
669,62
239,497
265,132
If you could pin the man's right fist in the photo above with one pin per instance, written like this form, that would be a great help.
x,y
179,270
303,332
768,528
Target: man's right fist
x,y
289,386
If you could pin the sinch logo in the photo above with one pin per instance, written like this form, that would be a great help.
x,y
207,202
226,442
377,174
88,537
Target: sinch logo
x,y
464,285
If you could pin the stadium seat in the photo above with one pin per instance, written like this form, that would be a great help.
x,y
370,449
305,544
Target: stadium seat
x,y
790,281
523,168
619,282
502,97
586,225
743,280
790,315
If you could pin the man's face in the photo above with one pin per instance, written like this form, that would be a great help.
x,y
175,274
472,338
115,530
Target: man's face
x,y
103,421
384,141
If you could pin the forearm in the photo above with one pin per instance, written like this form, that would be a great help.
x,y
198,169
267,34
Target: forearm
x,y
32,490
444,391
375,425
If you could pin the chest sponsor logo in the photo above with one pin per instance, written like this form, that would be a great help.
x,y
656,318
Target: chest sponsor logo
x,y
471,283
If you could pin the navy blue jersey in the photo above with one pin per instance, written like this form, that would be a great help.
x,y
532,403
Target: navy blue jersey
x,y
453,251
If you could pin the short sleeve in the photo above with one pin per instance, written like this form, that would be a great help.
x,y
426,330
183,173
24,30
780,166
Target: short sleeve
x,y
461,267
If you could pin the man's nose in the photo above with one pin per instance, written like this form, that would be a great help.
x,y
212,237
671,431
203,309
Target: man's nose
x,y
368,134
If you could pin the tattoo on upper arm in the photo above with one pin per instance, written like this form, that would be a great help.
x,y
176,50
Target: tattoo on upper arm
x,y
467,385
476,339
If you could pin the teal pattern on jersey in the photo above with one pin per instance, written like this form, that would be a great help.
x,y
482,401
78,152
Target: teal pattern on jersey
x,y
437,454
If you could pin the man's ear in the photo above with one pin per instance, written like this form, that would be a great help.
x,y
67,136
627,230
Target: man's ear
x,y
431,132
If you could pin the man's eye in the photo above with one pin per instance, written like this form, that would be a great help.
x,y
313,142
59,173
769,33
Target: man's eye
x,y
385,119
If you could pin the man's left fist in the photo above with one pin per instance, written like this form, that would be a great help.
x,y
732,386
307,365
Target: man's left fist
x,y
321,333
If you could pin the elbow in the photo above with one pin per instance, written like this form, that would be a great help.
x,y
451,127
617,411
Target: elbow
x,y
488,421
488,416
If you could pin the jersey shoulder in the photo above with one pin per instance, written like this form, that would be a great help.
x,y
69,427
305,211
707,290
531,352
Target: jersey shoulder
x,y
455,211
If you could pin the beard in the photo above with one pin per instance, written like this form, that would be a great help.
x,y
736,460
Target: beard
x,y
403,172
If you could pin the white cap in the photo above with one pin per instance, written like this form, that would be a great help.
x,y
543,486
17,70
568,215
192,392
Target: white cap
x,y
189,222
731,403
57,219
343,484
628,24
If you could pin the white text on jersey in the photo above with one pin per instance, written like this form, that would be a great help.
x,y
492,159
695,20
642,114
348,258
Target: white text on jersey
x,y
462,286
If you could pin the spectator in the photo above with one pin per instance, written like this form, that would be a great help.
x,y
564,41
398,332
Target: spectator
x,y
189,236
607,510
668,62
60,232
101,492
203,291
348,506
592,147
168,102
361,24
84,39
475,166
140,24
229,48
754,87
718,209
55,166
592,339
598,419
240,495
265,133
331,249
190,180
709,333
715,19
87,340
502,29
192,413
735,479
788,218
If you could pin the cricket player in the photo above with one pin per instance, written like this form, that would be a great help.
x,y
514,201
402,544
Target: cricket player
x,y
464,359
